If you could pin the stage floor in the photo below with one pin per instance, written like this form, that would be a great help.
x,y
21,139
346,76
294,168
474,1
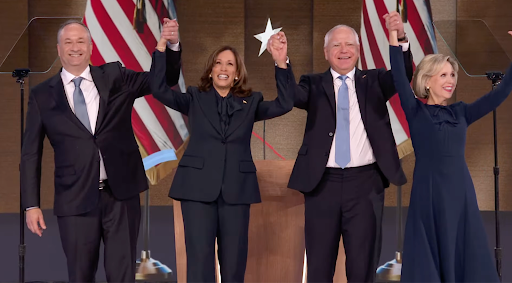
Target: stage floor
x,y
45,260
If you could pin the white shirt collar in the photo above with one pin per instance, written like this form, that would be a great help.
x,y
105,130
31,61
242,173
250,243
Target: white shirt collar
x,y
67,77
350,74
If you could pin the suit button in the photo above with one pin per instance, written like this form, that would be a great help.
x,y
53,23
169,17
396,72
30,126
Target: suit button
x,y
223,141
331,134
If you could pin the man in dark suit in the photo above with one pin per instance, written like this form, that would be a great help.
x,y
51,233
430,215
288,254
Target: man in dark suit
x,y
85,111
347,158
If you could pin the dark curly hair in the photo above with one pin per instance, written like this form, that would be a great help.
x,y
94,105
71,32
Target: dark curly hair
x,y
238,87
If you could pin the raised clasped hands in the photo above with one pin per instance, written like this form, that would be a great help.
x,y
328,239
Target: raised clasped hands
x,y
170,32
277,46
395,27
394,22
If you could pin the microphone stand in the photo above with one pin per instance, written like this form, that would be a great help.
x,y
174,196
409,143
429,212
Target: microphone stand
x,y
20,75
495,78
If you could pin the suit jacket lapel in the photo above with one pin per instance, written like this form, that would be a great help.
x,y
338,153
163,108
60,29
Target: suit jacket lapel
x,y
59,95
208,103
328,85
361,87
239,116
98,77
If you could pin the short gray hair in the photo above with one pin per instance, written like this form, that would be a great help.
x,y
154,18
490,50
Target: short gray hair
x,y
70,22
329,33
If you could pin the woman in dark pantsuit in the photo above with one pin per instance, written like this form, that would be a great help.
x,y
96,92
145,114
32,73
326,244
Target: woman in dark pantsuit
x,y
216,177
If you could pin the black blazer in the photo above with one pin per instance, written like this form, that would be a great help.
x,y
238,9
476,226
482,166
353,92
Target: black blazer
x,y
76,150
315,94
212,164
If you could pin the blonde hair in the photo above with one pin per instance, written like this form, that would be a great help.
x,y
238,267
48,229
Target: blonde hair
x,y
427,68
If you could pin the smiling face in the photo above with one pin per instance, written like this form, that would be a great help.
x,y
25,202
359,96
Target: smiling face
x,y
74,48
442,85
224,71
342,50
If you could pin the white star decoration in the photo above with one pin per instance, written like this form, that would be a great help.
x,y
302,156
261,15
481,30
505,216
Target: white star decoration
x,y
265,36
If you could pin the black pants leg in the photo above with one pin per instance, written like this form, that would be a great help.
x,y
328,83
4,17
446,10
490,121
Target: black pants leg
x,y
232,239
200,224
80,237
203,223
344,203
114,221
121,222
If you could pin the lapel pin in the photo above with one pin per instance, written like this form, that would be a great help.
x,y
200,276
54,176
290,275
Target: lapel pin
x,y
364,76
245,102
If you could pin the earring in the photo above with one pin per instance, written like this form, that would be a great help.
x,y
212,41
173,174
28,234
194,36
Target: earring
x,y
210,75
236,78
427,90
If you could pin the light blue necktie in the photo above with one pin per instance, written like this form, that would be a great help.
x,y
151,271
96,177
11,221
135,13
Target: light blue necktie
x,y
342,152
80,106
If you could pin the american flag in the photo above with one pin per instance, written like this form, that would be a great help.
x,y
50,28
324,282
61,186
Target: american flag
x,y
417,18
128,31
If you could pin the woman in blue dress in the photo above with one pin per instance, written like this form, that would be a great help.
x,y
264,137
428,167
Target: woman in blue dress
x,y
445,239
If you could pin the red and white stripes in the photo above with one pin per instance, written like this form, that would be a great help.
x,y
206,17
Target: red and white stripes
x,y
114,39
375,46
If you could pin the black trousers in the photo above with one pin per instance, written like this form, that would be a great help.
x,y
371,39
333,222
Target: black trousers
x,y
348,203
229,223
114,221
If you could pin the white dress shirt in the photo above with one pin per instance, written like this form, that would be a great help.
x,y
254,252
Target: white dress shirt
x,y
361,152
92,101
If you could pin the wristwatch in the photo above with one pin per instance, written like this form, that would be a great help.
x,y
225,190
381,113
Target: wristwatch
x,y
404,38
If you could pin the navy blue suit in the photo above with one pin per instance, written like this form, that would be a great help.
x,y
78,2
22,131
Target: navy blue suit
x,y
345,202
216,178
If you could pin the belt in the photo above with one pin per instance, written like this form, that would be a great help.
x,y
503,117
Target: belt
x,y
350,170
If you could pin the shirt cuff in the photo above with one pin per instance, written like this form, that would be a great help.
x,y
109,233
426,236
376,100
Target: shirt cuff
x,y
173,46
287,61
32,207
405,46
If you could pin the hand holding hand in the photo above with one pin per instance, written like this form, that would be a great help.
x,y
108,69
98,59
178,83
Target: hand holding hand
x,y
277,46
170,31
394,23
